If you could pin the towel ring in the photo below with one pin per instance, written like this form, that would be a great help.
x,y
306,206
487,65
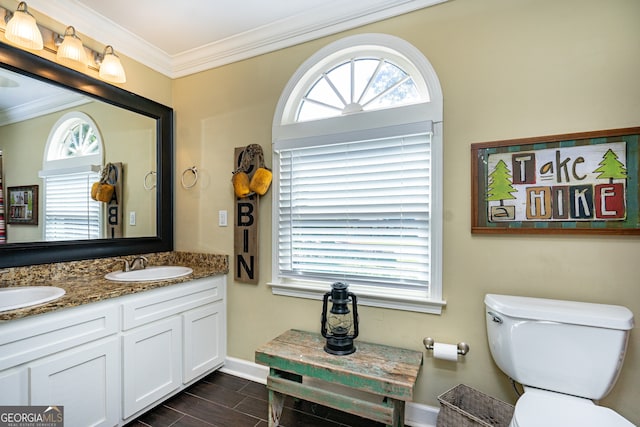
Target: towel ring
x,y
194,171
153,184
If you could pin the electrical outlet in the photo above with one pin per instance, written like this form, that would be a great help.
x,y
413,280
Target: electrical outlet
x,y
222,218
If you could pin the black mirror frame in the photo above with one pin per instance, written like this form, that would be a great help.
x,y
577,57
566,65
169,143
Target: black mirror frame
x,y
22,254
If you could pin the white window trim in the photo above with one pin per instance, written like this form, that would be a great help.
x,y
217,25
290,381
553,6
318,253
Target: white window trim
x,y
285,132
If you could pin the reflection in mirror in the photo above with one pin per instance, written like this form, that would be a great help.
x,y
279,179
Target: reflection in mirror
x,y
3,221
37,97
33,117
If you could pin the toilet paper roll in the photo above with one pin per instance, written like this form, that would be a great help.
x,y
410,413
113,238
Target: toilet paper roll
x,y
445,351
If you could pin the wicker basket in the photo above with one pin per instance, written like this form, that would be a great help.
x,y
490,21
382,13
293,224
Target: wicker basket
x,y
463,406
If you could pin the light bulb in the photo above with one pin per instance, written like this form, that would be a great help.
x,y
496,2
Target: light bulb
x,y
71,52
111,68
23,30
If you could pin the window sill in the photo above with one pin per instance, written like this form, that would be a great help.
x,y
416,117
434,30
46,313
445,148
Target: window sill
x,y
396,301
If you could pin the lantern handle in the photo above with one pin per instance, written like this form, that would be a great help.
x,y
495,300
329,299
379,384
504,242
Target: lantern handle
x,y
356,320
323,317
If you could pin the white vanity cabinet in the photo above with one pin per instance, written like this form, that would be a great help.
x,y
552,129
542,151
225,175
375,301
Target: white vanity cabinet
x,y
171,338
109,361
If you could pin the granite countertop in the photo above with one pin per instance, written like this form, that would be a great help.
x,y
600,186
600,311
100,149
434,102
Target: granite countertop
x,y
84,282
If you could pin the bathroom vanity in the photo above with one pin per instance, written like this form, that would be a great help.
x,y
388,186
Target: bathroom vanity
x,y
118,353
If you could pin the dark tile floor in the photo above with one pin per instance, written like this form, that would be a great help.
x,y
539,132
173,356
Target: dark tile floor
x,y
223,400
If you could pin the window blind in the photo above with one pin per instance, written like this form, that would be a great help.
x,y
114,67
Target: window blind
x,y
70,213
357,211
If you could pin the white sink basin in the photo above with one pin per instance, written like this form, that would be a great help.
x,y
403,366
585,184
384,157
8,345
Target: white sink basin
x,y
149,274
26,296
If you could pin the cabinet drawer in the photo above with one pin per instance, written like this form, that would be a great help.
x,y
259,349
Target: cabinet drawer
x,y
164,302
26,339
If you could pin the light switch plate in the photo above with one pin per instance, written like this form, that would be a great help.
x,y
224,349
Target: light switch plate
x,y
222,218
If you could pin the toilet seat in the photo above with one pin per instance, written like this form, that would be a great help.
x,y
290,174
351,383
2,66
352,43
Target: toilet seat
x,y
537,408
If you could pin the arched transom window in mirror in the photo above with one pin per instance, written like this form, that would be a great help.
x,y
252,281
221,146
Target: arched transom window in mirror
x,y
75,137
71,163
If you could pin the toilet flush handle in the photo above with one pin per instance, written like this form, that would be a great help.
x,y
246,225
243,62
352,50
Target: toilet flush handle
x,y
494,317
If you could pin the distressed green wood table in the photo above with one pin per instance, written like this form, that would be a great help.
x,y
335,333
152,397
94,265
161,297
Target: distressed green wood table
x,y
296,358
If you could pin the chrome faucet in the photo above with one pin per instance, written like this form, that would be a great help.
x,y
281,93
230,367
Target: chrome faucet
x,y
139,263
125,265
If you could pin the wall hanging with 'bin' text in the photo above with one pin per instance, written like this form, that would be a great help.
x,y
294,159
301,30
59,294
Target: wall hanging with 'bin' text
x,y
245,234
571,183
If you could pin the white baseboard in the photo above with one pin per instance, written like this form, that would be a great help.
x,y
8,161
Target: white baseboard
x,y
415,414
420,415
244,369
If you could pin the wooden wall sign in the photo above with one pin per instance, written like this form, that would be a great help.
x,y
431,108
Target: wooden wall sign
x,y
115,177
245,225
572,183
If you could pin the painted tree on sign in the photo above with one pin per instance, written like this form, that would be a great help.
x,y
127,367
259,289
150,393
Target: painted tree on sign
x,y
611,168
500,187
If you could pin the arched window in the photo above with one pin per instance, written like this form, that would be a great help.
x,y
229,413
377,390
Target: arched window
x,y
70,165
359,83
358,175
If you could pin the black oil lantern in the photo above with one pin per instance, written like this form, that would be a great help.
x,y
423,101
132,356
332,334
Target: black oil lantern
x,y
339,325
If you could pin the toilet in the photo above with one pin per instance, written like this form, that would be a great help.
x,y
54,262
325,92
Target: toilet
x,y
566,355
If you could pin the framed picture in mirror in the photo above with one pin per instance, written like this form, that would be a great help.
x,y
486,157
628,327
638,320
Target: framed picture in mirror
x,y
22,205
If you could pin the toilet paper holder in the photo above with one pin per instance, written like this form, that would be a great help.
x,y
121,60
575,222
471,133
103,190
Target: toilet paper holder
x,y
463,347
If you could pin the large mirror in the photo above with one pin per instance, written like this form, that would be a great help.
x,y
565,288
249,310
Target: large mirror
x,y
134,132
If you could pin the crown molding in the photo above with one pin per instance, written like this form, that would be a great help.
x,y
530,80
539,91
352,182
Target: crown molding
x,y
332,17
103,30
45,105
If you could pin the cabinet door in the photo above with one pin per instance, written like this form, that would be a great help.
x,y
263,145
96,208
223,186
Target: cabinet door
x,y
152,363
205,340
14,387
85,380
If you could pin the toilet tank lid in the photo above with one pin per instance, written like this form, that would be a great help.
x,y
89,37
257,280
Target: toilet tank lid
x,y
573,312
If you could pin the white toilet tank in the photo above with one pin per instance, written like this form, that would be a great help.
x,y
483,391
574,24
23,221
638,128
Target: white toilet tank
x,y
564,346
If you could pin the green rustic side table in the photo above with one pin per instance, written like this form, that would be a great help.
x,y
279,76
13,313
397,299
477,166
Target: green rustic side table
x,y
385,371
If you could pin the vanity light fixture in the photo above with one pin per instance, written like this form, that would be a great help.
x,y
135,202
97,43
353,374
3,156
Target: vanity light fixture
x,y
71,50
111,68
22,28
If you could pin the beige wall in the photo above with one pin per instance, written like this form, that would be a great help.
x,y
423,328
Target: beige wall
x,y
508,69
